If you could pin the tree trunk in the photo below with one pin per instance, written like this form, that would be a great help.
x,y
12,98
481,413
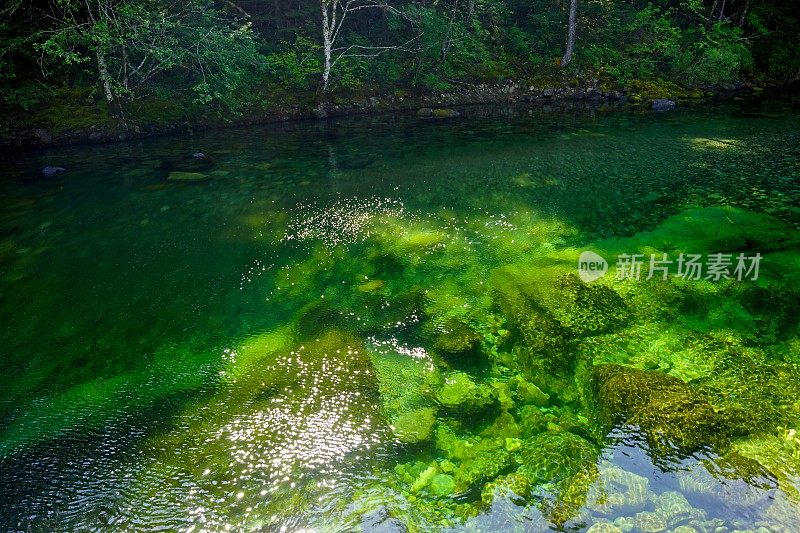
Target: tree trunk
x,y
573,13
743,16
102,69
327,31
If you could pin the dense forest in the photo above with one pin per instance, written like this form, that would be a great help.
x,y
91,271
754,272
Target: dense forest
x,y
106,57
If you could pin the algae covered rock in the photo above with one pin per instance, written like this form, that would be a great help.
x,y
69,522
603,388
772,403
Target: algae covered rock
x,y
459,391
548,308
514,485
669,411
475,459
445,113
179,175
554,456
442,485
528,393
458,338
414,426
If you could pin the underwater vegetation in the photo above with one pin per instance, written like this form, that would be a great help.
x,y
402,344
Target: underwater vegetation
x,y
499,384
259,355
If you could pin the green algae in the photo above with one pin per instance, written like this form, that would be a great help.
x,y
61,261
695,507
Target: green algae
x,y
428,368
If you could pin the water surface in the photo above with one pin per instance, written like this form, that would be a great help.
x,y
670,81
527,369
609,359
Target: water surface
x,y
378,322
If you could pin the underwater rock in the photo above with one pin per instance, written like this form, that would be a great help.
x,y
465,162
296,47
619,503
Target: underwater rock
x,y
446,113
554,456
425,478
442,485
603,527
528,393
477,460
533,420
503,427
186,176
548,307
459,391
401,381
506,486
650,522
616,491
52,171
457,339
674,508
670,412
663,104
414,426
485,463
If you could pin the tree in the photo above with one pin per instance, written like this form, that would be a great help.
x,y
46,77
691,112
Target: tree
x,y
138,44
573,13
334,14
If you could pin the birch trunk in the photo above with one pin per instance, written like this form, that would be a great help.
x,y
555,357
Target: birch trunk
x,y
573,13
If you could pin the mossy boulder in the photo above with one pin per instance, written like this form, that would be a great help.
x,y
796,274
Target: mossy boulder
x,y
528,393
457,339
476,459
442,485
514,485
670,412
445,113
459,391
555,456
414,426
549,307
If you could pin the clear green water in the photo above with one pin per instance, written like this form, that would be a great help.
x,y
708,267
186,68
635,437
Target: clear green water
x,y
377,323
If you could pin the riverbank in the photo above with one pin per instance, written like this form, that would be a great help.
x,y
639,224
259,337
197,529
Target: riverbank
x,y
90,123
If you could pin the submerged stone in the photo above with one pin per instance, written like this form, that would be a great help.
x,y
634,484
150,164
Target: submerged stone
x,y
442,485
616,491
457,339
414,426
554,456
459,391
669,411
186,176
446,113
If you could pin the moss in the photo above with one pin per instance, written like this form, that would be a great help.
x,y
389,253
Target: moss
x,y
457,339
73,109
458,391
555,456
528,393
414,426
442,485
514,485
650,89
670,412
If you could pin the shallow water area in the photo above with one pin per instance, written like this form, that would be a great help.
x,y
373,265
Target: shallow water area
x,y
379,322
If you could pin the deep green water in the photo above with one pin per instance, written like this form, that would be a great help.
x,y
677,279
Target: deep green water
x,y
378,323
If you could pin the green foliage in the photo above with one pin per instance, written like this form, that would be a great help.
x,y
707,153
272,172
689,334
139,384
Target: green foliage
x,y
220,57
295,64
